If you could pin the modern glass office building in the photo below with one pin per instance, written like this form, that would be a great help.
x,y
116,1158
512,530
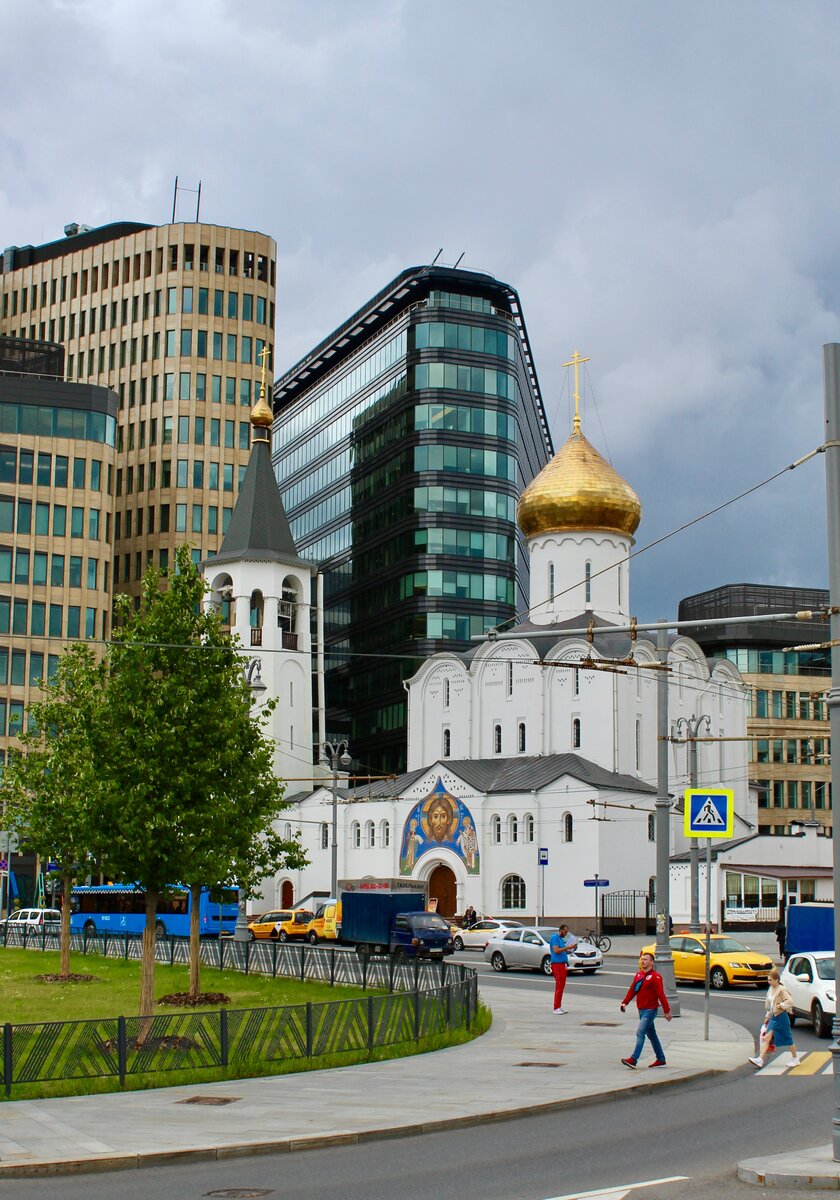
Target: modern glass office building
x,y
401,445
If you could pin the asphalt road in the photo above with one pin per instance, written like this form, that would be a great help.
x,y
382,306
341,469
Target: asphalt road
x,y
691,1137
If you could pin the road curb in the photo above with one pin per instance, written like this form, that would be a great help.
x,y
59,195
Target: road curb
x,y
318,1141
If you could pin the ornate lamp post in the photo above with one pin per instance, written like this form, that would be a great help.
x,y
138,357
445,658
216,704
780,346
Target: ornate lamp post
x,y
335,755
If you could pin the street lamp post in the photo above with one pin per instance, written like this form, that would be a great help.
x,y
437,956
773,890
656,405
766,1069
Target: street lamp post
x,y
252,674
662,829
335,755
691,725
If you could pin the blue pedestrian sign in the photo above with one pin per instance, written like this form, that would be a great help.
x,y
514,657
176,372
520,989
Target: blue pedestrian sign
x,y
543,859
709,812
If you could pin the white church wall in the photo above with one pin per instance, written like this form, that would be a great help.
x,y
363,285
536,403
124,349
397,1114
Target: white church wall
x,y
589,574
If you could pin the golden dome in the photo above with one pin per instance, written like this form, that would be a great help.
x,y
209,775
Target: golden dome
x,y
261,415
578,489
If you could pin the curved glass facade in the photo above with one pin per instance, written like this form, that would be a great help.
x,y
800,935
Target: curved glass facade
x,y
401,445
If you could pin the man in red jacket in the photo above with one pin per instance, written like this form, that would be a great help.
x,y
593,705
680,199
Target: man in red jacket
x,y
649,993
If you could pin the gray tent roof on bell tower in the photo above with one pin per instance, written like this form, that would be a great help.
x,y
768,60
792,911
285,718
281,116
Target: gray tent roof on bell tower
x,y
259,528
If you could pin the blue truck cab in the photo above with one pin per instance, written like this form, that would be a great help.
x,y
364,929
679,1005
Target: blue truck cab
x,y
810,926
380,916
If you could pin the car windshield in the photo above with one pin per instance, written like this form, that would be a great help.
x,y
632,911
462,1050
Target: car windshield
x,y
547,932
429,921
825,968
723,945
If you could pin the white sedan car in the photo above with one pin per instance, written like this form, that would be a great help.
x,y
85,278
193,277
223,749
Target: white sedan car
x,y
530,948
810,980
477,935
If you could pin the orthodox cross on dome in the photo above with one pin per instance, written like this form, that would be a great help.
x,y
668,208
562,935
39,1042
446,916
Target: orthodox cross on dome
x,y
575,361
261,414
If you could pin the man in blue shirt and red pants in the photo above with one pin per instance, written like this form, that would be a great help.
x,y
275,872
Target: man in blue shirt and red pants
x,y
649,993
559,943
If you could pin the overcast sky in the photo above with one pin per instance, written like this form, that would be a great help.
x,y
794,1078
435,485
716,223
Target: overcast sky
x,y
658,180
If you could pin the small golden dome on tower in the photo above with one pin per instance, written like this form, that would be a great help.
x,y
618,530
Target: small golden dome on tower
x,y
578,489
261,414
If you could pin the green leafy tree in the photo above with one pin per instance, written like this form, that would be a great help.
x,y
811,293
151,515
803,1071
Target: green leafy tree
x,y
189,794
50,786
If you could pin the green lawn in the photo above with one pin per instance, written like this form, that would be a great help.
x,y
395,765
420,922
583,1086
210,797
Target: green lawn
x,y
117,992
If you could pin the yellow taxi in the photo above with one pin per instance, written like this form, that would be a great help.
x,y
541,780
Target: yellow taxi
x,y
281,925
326,924
730,961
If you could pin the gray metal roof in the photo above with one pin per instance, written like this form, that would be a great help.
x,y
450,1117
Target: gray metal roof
x,y
259,528
503,775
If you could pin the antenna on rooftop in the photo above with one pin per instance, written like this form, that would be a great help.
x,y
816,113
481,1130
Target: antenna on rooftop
x,y
437,256
463,252
195,191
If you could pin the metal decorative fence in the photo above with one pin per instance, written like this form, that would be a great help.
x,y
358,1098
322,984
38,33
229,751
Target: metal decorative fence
x,y
415,999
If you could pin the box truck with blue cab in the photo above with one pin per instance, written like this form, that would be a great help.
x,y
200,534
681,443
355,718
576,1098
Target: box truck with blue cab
x,y
389,916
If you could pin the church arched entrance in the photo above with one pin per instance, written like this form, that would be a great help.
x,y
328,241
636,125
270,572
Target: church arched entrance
x,y
443,886
287,893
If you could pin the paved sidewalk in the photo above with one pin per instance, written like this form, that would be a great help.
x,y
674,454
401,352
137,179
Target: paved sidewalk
x,y
530,1061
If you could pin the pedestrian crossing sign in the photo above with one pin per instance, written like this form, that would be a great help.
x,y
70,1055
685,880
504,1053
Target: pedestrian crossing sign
x,y
709,812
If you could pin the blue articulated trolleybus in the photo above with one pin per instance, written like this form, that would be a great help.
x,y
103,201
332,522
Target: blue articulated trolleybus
x,y
121,908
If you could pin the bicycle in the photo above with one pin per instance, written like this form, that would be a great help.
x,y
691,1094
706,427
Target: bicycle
x,y
599,940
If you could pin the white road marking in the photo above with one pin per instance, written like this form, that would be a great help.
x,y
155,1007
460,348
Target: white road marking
x,y
619,1192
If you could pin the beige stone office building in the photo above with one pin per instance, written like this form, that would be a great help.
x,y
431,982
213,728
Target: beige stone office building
x,y
172,318
57,461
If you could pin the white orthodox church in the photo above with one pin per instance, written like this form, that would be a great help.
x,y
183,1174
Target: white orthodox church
x,y
532,758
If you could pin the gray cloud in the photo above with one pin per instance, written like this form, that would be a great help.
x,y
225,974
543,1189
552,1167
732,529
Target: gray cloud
x,y
657,180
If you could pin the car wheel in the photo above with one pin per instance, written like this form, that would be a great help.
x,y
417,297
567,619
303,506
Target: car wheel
x,y
717,978
312,938
822,1027
252,937
284,937
545,965
458,943
497,961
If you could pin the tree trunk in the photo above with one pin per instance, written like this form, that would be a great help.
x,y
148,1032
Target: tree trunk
x,y
147,962
64,936
195,945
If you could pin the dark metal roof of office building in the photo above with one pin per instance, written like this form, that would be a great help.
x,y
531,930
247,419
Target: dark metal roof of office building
x,y
259,528
504,775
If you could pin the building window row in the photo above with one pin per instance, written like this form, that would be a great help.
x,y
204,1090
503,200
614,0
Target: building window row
x,y
803,751
450,335
517,831
49,470
458,377
494,588
466,502
487,422
27,517
789,706
465,460
22,668
42,569
778,662
373,835
38,619
244,392
38,420
809,794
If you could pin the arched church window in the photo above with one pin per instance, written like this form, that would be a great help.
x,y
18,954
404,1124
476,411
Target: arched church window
x,y
551,581
652,827
638,744
576,733
286,606
447,743
256,615
588,576
652,889
513,829
496,828
618,585
325,835
446,693
576,681
510,678
529,827
497,739
287,831
513,892
568,828
385,834
521,737
356,835
370,834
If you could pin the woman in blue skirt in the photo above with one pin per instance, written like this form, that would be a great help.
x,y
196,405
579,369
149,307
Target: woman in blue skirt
x,y
779,1008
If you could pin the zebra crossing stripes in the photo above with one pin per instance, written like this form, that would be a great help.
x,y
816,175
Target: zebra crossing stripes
x,y
812,1062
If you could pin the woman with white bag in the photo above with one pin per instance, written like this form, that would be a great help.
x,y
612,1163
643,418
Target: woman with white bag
x,y
776,1029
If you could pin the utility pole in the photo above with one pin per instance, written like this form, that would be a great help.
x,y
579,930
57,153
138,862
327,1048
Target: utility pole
x,y
664,958
831,367
691,725
334,756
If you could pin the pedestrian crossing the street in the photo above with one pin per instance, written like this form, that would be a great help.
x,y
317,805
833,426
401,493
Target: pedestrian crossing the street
x,y
812,1062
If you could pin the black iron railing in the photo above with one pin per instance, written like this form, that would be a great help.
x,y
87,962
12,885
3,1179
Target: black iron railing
x,y
414,999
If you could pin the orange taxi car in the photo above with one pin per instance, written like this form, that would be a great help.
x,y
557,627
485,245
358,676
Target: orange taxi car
x,y
281,925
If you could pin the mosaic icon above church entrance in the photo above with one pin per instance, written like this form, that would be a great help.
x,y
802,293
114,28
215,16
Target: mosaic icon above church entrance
x,y
439,821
